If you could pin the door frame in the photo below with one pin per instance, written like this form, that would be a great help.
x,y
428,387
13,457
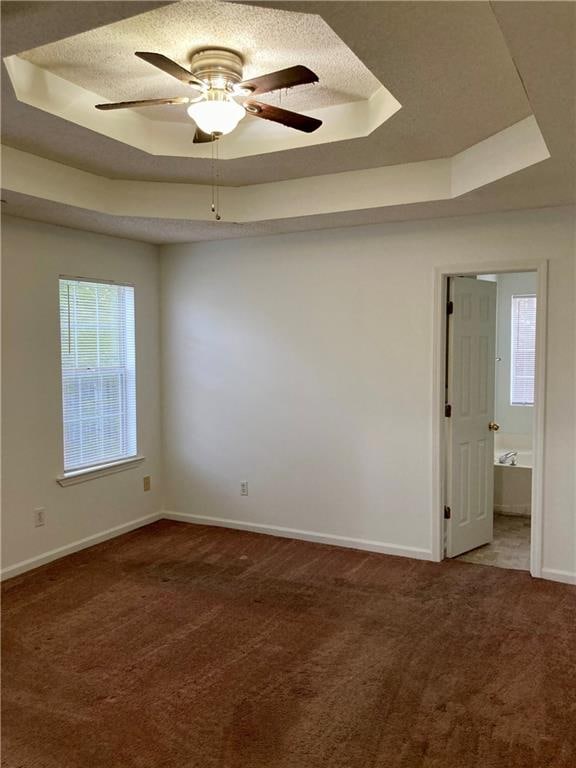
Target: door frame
x,y
441,275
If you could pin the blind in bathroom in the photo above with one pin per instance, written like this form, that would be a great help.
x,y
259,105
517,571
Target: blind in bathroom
x,y
98,372
523,350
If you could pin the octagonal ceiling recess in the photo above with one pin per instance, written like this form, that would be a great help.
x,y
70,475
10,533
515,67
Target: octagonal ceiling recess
x,y
469,136
68,77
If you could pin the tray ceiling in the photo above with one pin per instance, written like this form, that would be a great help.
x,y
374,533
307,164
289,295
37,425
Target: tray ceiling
x,y
454,66
68,77
447,64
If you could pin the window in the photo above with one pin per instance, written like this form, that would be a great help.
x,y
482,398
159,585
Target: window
x,y
98,373
523,358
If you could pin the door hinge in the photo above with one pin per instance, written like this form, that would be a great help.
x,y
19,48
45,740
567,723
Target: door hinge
x,y
447,513
450,308
447,410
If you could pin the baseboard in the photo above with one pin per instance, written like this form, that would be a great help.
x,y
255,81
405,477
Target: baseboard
x,y
76,546
566,577
295,533
513,510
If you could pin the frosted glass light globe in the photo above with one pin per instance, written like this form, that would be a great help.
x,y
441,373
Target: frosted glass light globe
x,y
218,113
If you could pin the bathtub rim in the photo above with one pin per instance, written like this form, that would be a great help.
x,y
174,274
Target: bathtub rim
x,y
524,460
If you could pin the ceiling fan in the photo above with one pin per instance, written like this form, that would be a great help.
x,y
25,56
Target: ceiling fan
x,y
225,98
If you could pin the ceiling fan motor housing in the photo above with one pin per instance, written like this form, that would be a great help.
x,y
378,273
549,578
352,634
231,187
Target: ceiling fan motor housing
x,y
215,65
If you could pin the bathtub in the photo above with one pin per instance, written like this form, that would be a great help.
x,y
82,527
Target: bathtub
x,y
513,484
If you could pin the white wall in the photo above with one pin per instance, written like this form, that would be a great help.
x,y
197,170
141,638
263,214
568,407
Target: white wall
x,y
513,419
303,364
33,257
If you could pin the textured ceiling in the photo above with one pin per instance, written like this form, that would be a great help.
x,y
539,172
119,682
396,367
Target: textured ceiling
x,y
102,60
432,55
447,63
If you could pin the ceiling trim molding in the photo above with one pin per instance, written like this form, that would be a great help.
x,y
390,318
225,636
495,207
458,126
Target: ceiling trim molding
x,y
517,147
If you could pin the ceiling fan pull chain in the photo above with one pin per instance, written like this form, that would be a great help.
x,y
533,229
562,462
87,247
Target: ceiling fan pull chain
x,y
212,174
215,207
218,217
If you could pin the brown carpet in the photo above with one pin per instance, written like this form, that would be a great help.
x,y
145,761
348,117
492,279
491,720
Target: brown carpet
x,y
179,646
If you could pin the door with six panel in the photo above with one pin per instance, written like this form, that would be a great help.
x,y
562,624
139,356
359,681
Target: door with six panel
x,y
471,342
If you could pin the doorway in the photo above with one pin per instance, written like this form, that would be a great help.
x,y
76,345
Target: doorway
x,y
489,438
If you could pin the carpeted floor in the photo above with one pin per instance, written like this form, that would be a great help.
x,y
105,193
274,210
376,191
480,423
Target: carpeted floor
x,y
178,646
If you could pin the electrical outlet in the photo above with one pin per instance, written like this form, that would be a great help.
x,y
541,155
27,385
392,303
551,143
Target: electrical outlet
x,y
147,484
39,517
244,488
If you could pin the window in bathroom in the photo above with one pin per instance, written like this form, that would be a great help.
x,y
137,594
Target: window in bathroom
x,y
523,358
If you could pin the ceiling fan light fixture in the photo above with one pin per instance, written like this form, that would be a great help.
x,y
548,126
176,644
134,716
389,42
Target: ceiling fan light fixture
x,y
217,113
217,74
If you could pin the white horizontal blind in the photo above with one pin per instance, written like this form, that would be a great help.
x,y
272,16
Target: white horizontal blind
x,y
98,372
523,358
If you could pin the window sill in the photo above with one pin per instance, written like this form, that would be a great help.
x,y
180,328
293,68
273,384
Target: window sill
x,y
91,473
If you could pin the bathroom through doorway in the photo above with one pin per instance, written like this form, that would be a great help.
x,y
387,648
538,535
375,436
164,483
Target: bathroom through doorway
x,y
490,391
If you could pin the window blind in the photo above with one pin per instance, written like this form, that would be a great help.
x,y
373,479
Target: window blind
x,y
98,372
523,357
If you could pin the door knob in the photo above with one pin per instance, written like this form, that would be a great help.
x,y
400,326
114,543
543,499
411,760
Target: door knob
x,y
493,426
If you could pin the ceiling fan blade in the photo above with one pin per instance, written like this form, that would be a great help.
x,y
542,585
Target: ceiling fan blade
x,y
170,67
283,116
284,78
200,137
145,103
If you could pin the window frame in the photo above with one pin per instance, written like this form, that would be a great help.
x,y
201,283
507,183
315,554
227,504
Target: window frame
x,y
76,475
511,403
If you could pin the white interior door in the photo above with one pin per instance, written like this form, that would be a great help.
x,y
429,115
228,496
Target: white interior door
x,y
470,393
